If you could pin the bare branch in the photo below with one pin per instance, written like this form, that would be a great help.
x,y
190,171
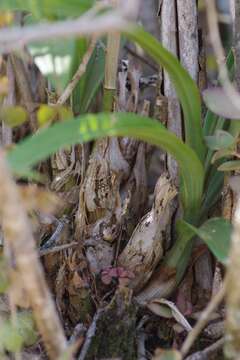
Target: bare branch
x,y
18,236
204,319
17,37
232,346
77,76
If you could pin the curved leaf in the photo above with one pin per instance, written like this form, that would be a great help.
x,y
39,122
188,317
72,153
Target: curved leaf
x,y
220,140
229,165
220,103
216,233
185,87
89,127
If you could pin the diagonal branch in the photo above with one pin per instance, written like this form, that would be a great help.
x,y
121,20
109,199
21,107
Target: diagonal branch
x,y
80,71
17,37
18,236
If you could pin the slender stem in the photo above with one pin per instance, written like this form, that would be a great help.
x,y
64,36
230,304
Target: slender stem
x,y
18,235
77,76
204,319
113,46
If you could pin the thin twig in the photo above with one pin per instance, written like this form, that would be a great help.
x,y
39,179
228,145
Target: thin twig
x,y
212,16
111,66
203,320
90,334
10,100
232,326
80,71
169,39
55,249
204,354
17,37
55,237
25,90
141,58
18,235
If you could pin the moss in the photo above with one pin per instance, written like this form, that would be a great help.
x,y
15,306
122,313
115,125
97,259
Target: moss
x,y
116,330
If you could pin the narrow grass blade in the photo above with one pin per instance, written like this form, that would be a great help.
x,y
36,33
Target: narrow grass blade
x,y
89,127
186,88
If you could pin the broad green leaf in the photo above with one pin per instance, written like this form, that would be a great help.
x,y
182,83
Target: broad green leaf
x,y
89,127
13,115
230,165
216,233
220,140
213,190
92,79
185,87
80,48
178,256
48,8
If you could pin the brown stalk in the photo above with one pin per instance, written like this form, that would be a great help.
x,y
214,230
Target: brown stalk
x,y
113,47
80,71
169,40
232,346
18,236
25,90
204,319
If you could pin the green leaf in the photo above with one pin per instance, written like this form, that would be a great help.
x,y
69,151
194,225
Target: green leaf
x,y
223,153
221,140
80,48
48,8
216,233
92,79
213,190
230,165
89,127
13,115
185,87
